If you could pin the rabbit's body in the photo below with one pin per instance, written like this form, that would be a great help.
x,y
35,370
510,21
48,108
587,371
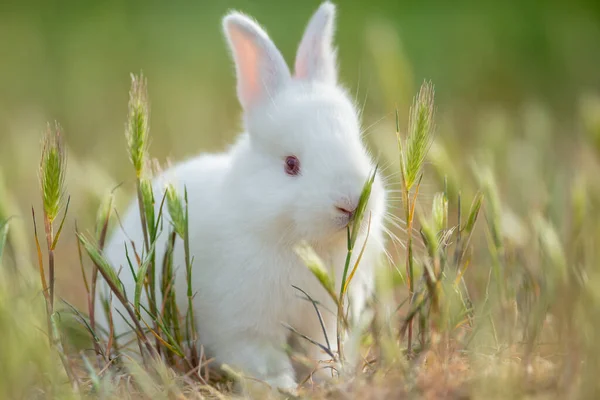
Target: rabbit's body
x,y
251,206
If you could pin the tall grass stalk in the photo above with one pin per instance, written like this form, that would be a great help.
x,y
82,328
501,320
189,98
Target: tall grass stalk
x,y
52,170
102,222
322,273
412,152
180,217
137,133
352,230
526,327
164,325
116,288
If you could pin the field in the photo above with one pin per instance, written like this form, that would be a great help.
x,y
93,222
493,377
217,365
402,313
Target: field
x,y
492,268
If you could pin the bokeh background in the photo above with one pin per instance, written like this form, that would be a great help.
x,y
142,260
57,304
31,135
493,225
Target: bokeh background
x,y
516,78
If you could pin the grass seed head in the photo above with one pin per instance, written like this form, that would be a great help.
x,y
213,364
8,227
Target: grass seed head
x,y
429,232
175,208
315,265
439,211
52,171
138,127
474,212
103,213
420,134
362,206
105,267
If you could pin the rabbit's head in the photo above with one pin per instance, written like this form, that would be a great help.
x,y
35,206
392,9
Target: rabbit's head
x,y
304,131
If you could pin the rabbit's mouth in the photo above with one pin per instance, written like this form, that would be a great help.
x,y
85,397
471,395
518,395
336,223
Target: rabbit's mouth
x,y
348,222
344,221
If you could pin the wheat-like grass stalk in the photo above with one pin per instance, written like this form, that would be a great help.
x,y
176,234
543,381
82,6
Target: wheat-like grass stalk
x,y
52,171
412,153
137,129
547,257
421,127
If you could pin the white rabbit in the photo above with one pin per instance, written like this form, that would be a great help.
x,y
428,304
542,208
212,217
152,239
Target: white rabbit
x,y
295,174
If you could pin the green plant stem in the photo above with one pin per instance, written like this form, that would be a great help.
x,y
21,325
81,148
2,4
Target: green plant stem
x,y
169,312
55,337
53,332
409,264
94,279
340,314
410,214
142,214
350,248
50,240
151,272
140,331
190,319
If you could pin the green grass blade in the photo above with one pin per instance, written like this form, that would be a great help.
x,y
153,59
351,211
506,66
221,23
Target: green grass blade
x,y
62,223
314,263
107,270
141,277
4,225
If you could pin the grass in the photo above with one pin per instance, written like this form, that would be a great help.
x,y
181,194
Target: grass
x,y
490,287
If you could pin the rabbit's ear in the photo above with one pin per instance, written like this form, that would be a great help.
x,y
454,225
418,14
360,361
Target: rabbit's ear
x,y
316,57
260,67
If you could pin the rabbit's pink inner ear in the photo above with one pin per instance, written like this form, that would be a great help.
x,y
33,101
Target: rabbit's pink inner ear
x,y
260,68
316,57
246,60
302,69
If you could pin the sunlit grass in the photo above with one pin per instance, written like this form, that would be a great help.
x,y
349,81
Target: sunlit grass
x,y
494,294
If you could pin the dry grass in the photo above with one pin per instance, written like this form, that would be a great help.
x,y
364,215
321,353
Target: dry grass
x,y
490,289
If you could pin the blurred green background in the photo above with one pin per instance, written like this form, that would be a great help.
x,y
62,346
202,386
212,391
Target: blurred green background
x,y
70,61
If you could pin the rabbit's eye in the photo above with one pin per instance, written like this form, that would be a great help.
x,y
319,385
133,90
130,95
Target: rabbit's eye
x,y
292,165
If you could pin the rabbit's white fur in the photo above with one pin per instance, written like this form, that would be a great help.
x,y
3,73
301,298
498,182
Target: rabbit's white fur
x,y
246,214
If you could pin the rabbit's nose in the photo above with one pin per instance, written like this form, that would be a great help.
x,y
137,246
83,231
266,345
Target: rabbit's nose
x,y
346,209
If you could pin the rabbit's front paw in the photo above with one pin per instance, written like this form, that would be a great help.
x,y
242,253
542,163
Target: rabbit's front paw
x,y
261,363
284,381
